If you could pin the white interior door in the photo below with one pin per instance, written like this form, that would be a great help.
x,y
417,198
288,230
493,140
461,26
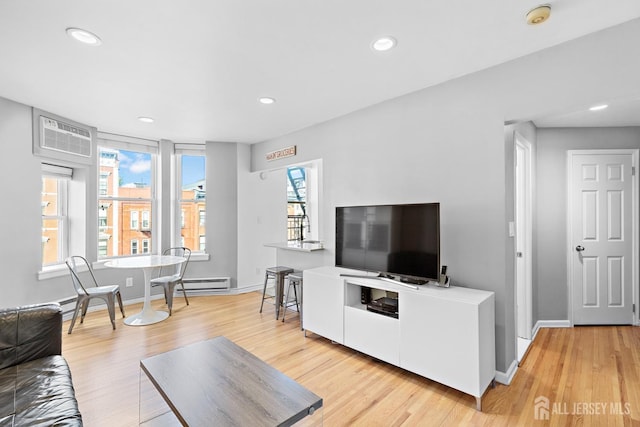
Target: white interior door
x,y
523,237
603,206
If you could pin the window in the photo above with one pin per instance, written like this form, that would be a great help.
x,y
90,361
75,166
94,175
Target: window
x,y
103,184
134,220
297,218
146,221
55,236
190,230
126,195
102,248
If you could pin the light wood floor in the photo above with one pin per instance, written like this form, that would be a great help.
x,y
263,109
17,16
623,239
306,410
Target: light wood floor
x,y
578,369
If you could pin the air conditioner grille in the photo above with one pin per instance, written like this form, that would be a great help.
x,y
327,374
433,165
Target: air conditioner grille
x,y
66,138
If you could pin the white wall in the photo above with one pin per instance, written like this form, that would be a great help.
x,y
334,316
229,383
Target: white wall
x,y
20,235
446,144
260,201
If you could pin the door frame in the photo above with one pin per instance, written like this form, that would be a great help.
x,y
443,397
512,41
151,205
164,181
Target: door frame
x,y
634,225
524,144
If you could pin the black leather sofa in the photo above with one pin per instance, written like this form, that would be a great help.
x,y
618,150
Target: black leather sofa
x,y
35,380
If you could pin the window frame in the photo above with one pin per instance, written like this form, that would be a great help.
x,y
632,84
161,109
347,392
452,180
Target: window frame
x,y
179,217
122,143
62,176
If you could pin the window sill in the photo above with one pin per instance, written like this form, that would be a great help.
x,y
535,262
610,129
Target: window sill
x,y
50,272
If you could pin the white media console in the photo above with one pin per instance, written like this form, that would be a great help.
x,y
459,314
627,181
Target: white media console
x,y
444,334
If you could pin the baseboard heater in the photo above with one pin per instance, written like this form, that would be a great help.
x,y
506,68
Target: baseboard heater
x,y
68,305
202,285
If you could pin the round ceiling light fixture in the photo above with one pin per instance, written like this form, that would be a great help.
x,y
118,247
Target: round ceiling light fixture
x,y
145,119
266,100
84,36
539,14
383,44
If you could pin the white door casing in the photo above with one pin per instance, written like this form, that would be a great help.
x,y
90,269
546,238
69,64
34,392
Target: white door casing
x,y
602,233
523,235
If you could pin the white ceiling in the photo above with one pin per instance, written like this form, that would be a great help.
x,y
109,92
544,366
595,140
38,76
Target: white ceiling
x,y
198,66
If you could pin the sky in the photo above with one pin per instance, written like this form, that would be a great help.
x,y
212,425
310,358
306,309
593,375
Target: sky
x,y
135,167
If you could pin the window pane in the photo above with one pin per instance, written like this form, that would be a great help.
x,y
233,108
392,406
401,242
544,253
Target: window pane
x,y
53,240
49,196
125,206
297,218
193,175
192,201
192,228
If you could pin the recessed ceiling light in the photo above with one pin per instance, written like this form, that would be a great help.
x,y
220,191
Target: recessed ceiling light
x,y
266,100
538,14
383,44
84,36
598,107
146,119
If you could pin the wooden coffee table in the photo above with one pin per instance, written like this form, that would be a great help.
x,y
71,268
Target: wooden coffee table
x,y
218,383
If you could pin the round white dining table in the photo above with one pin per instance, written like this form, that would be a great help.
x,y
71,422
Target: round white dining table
x,y
148,264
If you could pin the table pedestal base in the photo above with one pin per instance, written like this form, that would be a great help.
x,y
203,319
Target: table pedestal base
x,y
147,317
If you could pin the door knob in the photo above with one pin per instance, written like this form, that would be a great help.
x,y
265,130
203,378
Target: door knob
x,y
579,248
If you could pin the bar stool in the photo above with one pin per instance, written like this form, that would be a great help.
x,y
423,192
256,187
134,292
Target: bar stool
x,y
278,274
294,280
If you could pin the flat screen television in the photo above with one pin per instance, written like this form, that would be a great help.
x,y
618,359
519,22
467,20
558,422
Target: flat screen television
x,y
393,240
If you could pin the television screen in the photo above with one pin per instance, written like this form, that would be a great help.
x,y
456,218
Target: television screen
x,y
401,240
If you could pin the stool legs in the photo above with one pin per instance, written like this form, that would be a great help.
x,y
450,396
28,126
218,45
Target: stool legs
x,y
293,283
264,290
278,274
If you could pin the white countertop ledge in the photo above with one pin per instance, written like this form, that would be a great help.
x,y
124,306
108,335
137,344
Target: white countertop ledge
x,y
302,246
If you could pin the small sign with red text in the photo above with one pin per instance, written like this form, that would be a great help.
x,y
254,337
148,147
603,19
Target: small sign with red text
x,y
281,154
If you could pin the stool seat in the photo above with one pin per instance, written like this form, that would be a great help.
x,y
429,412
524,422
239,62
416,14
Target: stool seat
x,y
296,275
279,270
277,273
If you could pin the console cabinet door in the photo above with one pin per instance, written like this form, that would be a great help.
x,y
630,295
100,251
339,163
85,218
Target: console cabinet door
x,y
323,305
439,340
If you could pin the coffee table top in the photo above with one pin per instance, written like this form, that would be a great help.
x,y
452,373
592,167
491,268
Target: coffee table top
x,y
217,382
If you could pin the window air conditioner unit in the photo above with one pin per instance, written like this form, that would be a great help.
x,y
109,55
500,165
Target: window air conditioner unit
x,y
61,139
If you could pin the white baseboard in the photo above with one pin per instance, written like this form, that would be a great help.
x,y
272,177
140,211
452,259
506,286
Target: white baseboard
x,y
246,289
550,324
506,378
68,313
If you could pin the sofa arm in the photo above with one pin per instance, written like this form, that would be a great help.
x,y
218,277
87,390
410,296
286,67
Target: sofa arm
x,y
30,332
